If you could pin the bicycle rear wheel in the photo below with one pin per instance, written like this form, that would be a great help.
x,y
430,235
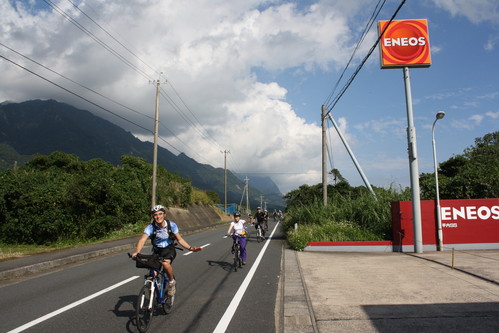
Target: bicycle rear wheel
x,y
143,314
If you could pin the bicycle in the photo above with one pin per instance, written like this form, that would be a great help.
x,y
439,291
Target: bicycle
x,y
153,292
236,251
259,233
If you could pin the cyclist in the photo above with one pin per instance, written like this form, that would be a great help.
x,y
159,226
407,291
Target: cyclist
x,y
266,219
259,217
238,226
163,242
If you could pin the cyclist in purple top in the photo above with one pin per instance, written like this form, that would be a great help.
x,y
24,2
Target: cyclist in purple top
x,y
238,226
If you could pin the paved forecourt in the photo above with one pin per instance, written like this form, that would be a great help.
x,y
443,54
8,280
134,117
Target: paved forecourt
x,y
388,292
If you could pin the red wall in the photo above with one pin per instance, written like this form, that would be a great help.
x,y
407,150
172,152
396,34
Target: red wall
x,y
463,221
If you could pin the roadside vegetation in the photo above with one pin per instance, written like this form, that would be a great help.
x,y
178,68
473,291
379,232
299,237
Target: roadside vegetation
x,y
352,213
57,201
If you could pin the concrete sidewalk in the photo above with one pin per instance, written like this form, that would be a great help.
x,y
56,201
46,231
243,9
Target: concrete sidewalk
x,y
391,292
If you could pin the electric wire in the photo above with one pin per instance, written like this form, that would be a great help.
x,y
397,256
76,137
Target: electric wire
x,y
97,40
367,28
164,93
208,136
110,35
128,63
74,82
349,82
75,94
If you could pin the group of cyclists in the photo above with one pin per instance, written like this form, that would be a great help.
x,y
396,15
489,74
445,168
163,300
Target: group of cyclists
x,y
164,235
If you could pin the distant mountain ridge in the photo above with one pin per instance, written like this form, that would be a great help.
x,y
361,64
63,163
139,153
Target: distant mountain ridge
x,y
45,126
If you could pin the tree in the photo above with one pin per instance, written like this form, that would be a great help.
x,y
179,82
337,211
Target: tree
x,y
471,175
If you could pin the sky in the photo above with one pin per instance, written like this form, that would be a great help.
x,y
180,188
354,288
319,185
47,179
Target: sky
x,y
250,76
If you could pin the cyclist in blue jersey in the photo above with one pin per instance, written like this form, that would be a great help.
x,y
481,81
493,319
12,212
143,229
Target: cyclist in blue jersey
x,y
163,235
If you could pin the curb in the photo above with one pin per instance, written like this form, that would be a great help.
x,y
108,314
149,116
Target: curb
x,y
29,269
298,314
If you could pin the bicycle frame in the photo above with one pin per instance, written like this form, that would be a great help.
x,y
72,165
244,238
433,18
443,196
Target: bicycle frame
x,y
159,283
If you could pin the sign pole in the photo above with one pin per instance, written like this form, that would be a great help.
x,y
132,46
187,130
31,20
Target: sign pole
x,y
413,165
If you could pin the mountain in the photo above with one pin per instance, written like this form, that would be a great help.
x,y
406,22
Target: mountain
x,y
45,126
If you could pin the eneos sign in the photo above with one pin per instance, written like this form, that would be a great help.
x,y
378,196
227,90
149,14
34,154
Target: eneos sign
x,y
466,223
404,43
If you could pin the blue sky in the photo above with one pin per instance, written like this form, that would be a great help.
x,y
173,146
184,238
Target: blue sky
x,y
250,76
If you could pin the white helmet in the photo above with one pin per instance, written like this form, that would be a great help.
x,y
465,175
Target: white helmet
x,y
158,208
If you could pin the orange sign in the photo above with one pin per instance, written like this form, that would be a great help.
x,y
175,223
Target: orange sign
x,y
405,43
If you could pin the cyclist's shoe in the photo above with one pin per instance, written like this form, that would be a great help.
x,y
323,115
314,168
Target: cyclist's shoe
x,y
171,288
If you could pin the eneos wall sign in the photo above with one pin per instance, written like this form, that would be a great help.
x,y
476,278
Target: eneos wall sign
x,y
405,43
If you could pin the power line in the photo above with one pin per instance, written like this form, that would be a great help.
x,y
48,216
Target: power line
x,y
204,134
110,35
128,63
75,94
343,90
72,81
362,37
98,40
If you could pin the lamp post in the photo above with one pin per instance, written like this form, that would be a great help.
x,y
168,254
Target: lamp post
x,y
439,115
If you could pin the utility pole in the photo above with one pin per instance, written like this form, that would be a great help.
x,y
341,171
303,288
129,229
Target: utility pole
x,y
155,150
245,193
225,152
324,163
248,211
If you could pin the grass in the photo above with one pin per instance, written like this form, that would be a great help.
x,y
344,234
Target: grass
x,y
344,219
11,251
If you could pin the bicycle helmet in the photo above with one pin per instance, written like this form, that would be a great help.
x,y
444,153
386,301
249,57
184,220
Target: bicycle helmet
x,y
158,208
237,214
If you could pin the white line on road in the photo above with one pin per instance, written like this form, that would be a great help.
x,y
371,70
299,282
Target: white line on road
x,y
229,313
186,254
70,306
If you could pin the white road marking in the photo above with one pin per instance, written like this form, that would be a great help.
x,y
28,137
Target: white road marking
x,y
70,306
229,313
186,254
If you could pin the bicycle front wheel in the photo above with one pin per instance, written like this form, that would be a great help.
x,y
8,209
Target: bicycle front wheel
x,y
144,314
168,304
237,259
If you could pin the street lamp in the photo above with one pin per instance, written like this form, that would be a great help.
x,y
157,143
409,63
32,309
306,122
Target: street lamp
x,y
439,115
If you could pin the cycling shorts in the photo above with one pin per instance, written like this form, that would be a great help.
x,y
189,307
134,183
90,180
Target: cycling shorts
x,y
166,253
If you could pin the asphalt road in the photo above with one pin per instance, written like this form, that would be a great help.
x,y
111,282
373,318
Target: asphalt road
x,y
98,295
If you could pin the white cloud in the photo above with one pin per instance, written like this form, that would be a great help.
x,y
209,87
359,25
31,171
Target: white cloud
x,y
477,118
476,11
493,115
384,127
207,50
210,52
